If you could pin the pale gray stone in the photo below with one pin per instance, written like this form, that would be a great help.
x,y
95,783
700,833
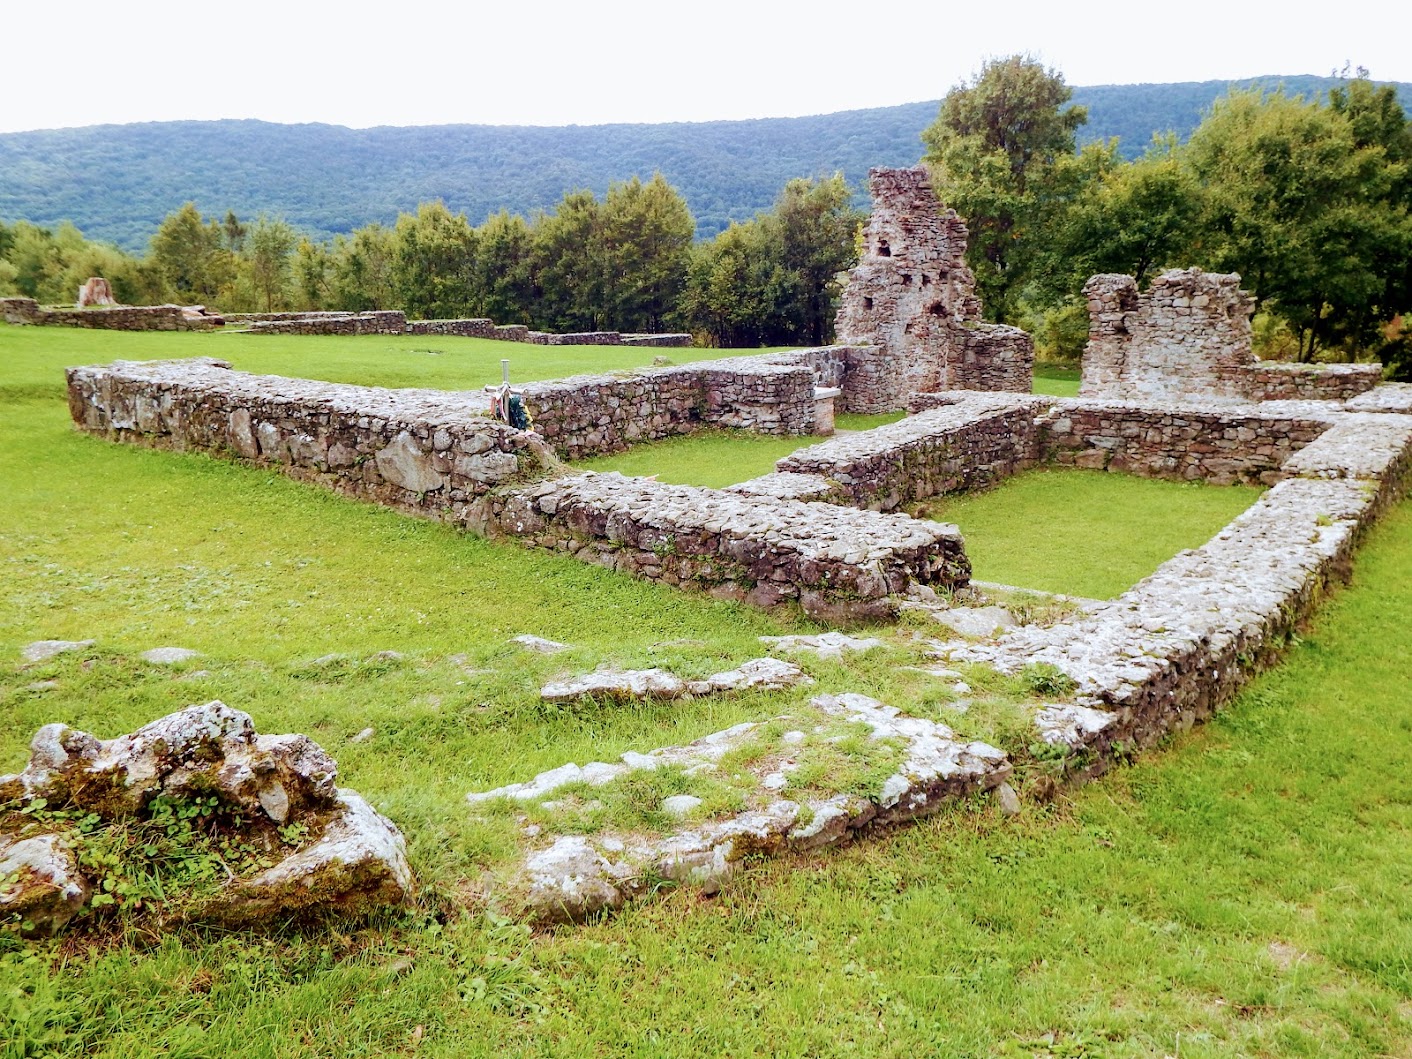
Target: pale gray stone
x,y
41,881
1007,799
539,644
43,650
680,804
403,463
166,656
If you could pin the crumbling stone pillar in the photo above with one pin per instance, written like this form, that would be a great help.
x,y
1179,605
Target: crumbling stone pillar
x,y
913,299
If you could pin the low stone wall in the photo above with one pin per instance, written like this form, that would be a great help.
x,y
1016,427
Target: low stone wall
x,y
427,452
591,414
1274,381
973,441
1221,444
471,328
837,563
667,340
114,318
436,454
380,322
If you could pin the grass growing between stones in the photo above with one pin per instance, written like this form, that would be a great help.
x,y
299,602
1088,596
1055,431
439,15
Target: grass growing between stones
x,y
1244,892
1085,533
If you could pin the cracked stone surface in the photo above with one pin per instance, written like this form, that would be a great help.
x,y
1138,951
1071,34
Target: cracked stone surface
x,y
975,621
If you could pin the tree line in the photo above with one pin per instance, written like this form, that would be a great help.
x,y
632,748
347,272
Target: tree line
x,y
1308,199
626,263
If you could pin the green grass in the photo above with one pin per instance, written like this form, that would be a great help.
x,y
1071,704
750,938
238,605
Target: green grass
x,y
1243,892
713,458
1085,533
1056,380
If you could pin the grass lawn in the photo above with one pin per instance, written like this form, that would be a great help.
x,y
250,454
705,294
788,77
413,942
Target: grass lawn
x,y
1085,533
1246,891
1056,380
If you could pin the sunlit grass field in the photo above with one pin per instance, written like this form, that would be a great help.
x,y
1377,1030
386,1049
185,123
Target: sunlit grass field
x,y
1244,891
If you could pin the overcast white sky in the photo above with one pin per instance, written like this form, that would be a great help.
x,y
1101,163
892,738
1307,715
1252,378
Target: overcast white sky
x,y
552,62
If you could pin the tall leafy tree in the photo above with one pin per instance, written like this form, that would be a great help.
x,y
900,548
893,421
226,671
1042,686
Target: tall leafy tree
x,y
433,255
188,253
995,150
268,252
642,242
1303,208
567,279
502,279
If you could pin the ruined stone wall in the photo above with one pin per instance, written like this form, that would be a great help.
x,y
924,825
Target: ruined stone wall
x,y
1189,335
1217,444
379,322
913,298
114,318
588,415
1183,641
971,442
471,328
434,454
423,451
837,563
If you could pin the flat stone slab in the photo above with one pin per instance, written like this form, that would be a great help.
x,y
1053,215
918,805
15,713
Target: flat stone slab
x,y
166,656
575,875
43,650
539,644
618,685
825,645
974,621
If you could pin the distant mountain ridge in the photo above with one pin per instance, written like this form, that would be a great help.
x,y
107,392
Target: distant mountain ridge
x,y
116,182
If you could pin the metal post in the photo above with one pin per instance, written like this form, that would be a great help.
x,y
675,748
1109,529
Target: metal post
x,y
505,372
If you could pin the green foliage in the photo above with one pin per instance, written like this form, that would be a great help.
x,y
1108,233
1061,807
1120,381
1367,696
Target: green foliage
x,y
997,151
432,257
1312,218
773,280
190,256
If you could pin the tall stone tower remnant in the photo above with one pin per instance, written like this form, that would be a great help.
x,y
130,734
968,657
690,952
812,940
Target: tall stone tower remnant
x,y
913,298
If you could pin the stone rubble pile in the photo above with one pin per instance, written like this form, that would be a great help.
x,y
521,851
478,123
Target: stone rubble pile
x,y
353,858
570,877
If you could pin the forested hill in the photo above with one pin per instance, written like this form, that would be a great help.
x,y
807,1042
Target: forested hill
x,y
116,182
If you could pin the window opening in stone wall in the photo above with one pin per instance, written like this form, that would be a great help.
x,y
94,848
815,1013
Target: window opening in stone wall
x,y
883,249
867,303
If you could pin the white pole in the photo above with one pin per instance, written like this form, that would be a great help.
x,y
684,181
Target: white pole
x,y
505,372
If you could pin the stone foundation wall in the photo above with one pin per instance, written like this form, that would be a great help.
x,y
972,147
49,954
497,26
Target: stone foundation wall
x,y
1215,444
588,415
422,451
380,322
1275,381
434,454
472,328
1183,641
115,318
837,563
971,442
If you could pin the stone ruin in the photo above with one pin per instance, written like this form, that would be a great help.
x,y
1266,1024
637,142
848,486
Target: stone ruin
x,y
96,292
1189,335
344,856
913,295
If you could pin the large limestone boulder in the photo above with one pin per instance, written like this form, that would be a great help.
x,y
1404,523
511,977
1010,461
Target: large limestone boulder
x,y
346,856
